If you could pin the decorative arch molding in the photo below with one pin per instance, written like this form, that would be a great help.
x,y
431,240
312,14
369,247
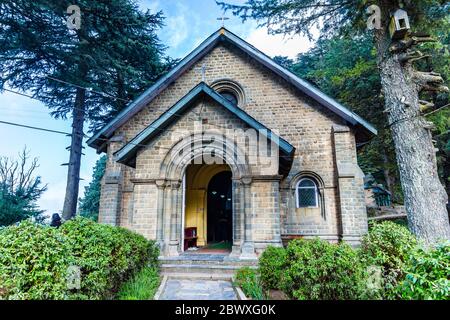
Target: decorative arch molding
x,y
173,168
307,174
316,178
228,85
194,146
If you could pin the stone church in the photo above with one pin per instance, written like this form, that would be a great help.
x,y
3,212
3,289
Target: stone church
x,y
231,149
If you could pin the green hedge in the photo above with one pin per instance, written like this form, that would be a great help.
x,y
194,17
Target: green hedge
x,y
35,260
388,245
319,270
391,264
427,275
271,266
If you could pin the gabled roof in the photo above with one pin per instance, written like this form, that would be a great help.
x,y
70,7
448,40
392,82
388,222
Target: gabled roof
x,y
224,35
128,152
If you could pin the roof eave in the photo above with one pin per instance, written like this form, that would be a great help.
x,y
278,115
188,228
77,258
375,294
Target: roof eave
x,y
200,51
129,151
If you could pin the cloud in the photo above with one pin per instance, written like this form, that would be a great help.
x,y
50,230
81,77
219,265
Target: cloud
x,y
153,6
52,200
278,45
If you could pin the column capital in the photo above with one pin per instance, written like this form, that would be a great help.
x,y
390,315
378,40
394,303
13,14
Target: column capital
x,y
174,184
160,183
246,181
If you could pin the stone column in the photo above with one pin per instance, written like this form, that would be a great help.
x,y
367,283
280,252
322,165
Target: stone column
x,y
111,192
350,186
248,247
276,213
174,237
238,220
161,185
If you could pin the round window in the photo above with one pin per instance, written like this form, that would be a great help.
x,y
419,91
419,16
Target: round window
x,y
230,96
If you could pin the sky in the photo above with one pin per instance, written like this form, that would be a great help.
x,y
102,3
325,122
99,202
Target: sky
x,y
187,24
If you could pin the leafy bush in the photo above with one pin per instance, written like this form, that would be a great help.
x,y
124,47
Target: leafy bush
x,y
35,260
427,275
388,245
106,255
248,280
142,286
319,270
271,265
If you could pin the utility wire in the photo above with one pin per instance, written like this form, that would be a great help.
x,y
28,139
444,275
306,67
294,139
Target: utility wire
x,y
34,128
165,130
86,136
103,139
88,89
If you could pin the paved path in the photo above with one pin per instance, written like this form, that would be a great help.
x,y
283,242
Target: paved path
x,y
179,289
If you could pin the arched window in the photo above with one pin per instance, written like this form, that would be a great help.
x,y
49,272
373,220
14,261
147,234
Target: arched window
x,y
230,96
230,90
307,193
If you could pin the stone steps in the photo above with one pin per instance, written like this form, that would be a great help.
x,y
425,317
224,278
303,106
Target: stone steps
x,y
202,266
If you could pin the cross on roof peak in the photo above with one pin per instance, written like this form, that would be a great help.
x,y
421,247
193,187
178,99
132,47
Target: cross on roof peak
x,y
223,19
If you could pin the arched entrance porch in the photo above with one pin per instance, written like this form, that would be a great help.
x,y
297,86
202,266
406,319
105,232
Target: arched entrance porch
x,y
173,181
208,206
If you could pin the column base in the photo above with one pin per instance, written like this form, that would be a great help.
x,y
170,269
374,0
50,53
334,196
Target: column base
x,y
353,240
248,252
173,250
161,245
235,253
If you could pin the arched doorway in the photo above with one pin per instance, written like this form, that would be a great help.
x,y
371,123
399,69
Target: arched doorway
x,y
208,207
220,209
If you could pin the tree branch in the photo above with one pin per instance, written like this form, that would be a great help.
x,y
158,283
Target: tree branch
x,y
429,81
411,56
405,44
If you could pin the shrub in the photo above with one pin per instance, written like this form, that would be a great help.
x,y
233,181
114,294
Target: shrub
x,y
388,245
34,260
106,255
427,275
271,266
317,269
248,280
141,286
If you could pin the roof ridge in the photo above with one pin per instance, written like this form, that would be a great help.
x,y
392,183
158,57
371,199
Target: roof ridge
x,y
223,34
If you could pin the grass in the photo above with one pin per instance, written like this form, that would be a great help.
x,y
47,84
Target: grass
x,y
142,286
248,280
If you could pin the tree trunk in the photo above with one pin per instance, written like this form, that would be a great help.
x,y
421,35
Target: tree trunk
x,y
387,175
424,196
73,174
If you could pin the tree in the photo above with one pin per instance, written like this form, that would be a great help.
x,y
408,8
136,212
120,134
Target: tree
x,y
19,189
89,74
424,196
89,205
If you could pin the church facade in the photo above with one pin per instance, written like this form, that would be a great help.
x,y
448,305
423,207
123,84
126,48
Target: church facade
x,y
230,147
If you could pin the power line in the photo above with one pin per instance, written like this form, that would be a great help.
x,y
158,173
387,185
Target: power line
x,y
34,128
86,136
156,128
88,89
103,139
